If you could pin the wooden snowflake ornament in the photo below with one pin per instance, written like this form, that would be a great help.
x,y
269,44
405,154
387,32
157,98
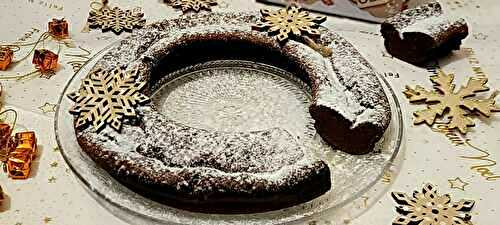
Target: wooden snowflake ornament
x,y
192,5
106,97
116,19
457,106
429,208
293,21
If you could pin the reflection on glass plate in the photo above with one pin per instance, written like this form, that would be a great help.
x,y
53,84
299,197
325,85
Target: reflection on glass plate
x,y
236,96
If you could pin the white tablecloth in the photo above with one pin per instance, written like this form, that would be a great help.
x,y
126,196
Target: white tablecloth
x,y
52,195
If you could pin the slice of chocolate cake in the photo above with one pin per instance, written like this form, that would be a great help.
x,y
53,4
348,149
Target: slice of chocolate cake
x,y
423,33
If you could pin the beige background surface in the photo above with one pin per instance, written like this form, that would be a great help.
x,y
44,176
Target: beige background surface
x,y
53,195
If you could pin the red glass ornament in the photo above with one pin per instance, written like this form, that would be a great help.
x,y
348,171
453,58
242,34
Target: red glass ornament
x,y
5,141
45,60
6,55
58,28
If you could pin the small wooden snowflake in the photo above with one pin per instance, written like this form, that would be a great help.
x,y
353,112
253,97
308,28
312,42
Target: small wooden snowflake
x,y
116,19
429,208
106,97
192,5
292,20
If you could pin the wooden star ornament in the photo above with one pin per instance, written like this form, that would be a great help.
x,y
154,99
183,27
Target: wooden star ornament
x,y
456,106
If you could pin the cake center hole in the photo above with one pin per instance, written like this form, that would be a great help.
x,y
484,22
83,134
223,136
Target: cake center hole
x,y
236,96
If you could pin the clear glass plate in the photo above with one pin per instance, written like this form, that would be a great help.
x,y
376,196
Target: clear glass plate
x,y
211,96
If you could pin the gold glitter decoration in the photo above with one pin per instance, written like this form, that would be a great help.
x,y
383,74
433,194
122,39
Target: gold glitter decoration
x,y
47,220
54,164
293,21
52,180
457,106
192,5
116,19
106,97
429,208
48,107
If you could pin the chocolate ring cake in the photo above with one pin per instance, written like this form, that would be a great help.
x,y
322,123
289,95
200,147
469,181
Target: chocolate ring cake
x,y
235,172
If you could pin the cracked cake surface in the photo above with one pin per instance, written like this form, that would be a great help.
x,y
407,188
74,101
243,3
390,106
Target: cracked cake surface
x,y
220,172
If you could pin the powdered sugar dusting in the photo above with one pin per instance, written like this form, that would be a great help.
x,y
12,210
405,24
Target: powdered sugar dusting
x,y
428,19
189,158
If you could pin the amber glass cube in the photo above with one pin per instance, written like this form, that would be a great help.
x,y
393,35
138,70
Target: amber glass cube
x,y
19,160
19,164
45,60
5,141
58,28
5,131
6,55
28,135
26,140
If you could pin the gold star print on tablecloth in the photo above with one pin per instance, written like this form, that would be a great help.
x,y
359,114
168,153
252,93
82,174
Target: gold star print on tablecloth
x,y
430,208
48,107
47,220
52,180
457,183
47,75
54,164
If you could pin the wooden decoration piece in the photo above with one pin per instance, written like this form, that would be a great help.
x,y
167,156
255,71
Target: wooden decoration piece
x,y
293,21
192,5
456,106
106,97
430,208
116,19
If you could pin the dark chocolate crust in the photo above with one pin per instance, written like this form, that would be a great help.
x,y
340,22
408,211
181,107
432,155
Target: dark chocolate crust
x,y
424,33
226,195
215,172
